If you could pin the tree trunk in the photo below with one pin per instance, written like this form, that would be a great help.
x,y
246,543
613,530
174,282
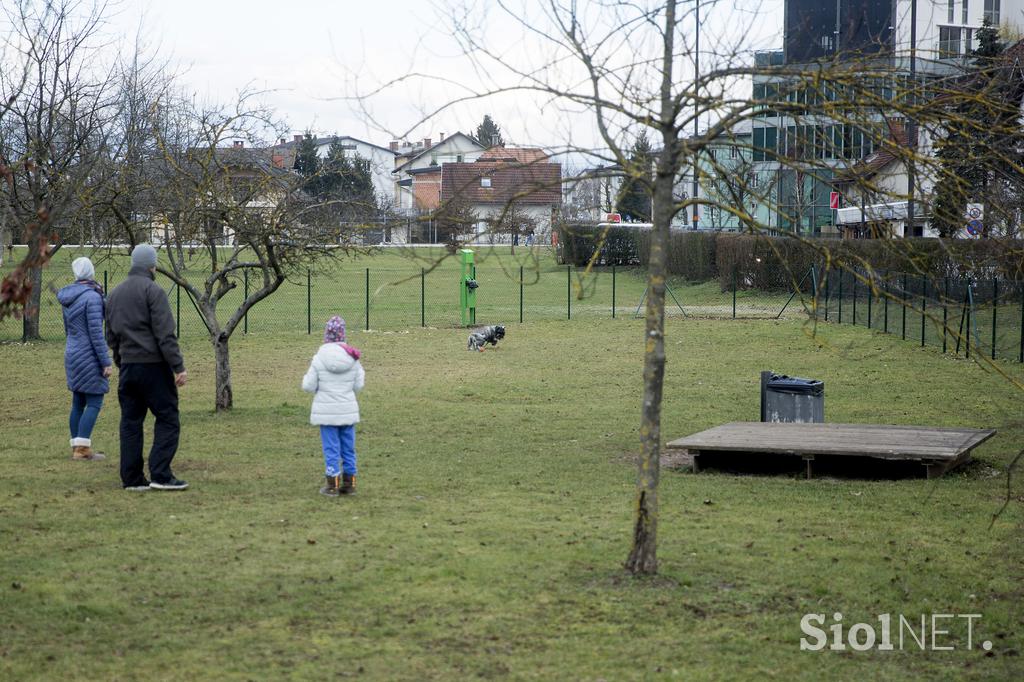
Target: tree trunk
x,y
643,556
224,398
30,322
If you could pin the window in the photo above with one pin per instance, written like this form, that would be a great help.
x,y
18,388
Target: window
x,y
991,12
950,10
485,182
949,42
963,11
734,151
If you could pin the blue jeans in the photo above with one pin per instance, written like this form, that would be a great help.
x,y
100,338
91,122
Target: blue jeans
x,y
339,444
85,409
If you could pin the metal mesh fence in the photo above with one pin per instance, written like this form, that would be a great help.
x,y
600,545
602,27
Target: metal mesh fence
x,y
961,315
966,316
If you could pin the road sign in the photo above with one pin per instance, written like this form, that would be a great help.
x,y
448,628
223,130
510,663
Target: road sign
x,y
833,199
613,218
975,211
974,227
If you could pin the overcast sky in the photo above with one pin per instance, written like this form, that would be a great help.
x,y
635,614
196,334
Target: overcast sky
x,y
309,53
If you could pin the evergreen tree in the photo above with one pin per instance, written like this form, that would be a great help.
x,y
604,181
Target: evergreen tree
x,y
489,134
980,150
308,165
634,200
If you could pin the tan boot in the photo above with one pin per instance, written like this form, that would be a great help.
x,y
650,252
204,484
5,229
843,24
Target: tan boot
x,y
83,452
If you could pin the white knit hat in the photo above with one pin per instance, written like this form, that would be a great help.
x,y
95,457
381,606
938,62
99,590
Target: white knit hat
x,y
83,269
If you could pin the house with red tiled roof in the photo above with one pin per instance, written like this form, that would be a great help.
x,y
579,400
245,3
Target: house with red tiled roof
x,y
513,192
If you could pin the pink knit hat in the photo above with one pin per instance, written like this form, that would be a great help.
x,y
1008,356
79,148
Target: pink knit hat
x,y
334,332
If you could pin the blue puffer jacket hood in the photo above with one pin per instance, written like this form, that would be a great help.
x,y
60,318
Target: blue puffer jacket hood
x,y
85,354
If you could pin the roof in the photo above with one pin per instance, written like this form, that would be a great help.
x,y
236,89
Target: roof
x,y
538,183
876,161
320,141
427,150
514,155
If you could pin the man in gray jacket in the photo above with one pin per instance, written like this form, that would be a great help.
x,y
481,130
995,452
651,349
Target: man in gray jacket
x,y
140,332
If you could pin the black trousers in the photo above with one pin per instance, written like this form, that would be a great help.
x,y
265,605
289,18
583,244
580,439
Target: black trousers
x,y
147,387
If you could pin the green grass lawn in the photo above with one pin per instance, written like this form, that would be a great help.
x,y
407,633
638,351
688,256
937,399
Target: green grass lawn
x,y
493,516
412,287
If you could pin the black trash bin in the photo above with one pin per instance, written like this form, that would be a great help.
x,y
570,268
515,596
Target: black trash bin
x,y
791,399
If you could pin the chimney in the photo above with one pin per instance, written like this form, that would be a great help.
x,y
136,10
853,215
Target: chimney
x,y
426,143
280,141
394,145
296,138
440,138
239,144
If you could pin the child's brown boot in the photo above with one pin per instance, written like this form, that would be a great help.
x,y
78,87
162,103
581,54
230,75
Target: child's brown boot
x,y
348,484
330,489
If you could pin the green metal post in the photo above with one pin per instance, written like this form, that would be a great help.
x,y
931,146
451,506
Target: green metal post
x,y
871,295
945,310
177,291
467,294
924,305
367,299
828,276
245,319
105,281
568,292
967,330
309,302
995,308
840,297
613,292
520,294
734,292
854,298
1020,358
885,309
423,297
906,300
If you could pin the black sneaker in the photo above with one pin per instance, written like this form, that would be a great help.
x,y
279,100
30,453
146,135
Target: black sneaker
x,y
138,487
172,484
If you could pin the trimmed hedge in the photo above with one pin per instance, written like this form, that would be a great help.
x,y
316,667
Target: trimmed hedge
x,y
775,263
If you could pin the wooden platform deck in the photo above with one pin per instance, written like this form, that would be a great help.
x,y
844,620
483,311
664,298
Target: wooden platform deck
x,y
938,449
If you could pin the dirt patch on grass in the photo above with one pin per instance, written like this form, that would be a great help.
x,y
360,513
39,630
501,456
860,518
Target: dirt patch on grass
x,y
679,460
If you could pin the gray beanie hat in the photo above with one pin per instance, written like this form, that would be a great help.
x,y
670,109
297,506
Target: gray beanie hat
x,y
83,269
144,255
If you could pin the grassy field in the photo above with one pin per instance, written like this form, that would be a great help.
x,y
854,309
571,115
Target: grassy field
x,y
494,514
402,289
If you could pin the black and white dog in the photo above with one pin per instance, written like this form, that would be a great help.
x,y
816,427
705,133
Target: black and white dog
x,y
485,335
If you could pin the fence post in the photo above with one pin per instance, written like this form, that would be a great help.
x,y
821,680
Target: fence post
x,y
828,276
367,299
568,292
1020,358
995,308
970,305
924,305
734,292
945,310
840,296
613,292
423,297
520,294
309,302
871,295
177,307
885,308
905,299
854,275
245,319
105,282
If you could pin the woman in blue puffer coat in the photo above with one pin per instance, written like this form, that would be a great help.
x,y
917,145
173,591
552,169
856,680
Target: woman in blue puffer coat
x,y
86,360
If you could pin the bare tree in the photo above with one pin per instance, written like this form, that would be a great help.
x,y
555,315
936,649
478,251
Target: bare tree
x,y
59,101
217,190
638,66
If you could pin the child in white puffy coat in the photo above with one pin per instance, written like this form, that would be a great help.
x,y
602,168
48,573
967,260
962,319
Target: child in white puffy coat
x,y
334,378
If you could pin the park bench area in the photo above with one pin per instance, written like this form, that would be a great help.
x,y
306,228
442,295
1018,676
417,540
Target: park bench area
x,y
937,449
